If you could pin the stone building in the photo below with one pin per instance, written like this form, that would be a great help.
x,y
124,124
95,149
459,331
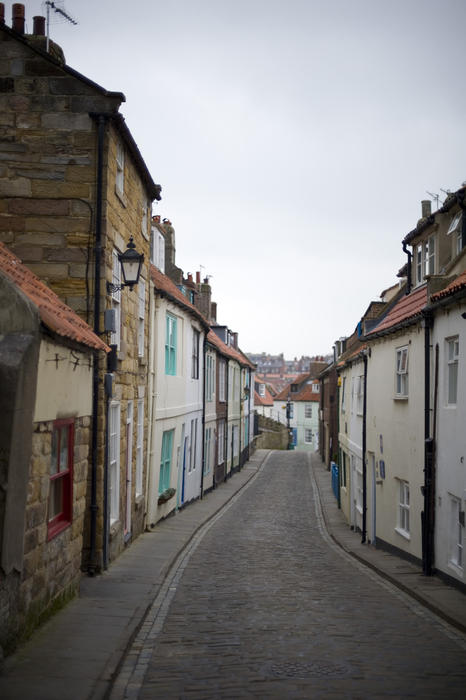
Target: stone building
x,y
46,358
74,189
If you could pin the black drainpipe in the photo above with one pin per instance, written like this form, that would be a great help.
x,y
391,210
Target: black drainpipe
x,y
204,350
409,279
101,122
364,447
429,481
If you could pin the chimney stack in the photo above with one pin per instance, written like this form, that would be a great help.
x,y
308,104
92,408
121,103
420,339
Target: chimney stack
x,y
426,207
213,312
38,26
2,13
18,18
198,277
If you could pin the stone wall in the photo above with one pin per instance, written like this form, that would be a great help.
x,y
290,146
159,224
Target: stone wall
x,y
51,568
272,435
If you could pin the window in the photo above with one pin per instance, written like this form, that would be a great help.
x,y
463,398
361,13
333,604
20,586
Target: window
x,y
316,388
170,345
195,355
456,230
146,207
261,391
453,348
308,410
401,389
222,366
114,460
343,395
208,450
193,447
120,168
343,468
139,447
221,443
307,436
157,249
456,532
403,508
289,410
424,258
246,431
141,316
360,395
116,298
166,460
210,377
60,512
235,438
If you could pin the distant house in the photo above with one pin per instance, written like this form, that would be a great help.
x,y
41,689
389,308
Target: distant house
x,y
298,406
46,359
263,399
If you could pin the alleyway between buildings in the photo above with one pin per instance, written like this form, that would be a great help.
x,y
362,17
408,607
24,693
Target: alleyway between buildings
x,y
260,603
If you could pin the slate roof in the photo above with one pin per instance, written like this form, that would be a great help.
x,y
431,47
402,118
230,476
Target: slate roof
x,y
458,284
405,311
54,313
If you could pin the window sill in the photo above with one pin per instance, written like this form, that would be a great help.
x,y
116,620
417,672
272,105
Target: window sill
x,y
400,398
55,528
403,533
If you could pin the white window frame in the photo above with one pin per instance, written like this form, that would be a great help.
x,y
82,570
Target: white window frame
x,y
115,338
208,450
457,229
120,168
403,524
114,429
141,316
308,410
360,395
139,447
456,553
308,436
146,208
196,344
221,380
343,395
221,442
401,372
452,360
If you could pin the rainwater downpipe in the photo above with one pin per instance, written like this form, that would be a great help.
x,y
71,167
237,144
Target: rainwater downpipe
x,y
364,456
204,351
92,565
409,278
428,489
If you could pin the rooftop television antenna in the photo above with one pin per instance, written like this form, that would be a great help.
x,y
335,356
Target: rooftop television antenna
x,y
435,197
58,7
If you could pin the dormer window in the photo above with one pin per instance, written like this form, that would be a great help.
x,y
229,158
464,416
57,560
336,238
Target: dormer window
x,y
262,390
456,231
425,259
294,388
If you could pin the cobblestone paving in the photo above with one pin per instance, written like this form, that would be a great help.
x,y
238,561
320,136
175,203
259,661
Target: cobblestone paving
x,y
267,607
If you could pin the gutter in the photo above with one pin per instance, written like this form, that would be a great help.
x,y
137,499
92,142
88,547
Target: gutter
x,y
204,350
364,449
427,518
409,283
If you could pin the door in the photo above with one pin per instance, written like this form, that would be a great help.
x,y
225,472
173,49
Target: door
x,y
129,465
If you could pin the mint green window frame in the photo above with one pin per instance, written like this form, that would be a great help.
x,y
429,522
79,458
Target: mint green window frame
x,y
170,345
166,460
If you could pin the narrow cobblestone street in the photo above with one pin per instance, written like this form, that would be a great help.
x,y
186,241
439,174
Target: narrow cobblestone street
x,y
267,606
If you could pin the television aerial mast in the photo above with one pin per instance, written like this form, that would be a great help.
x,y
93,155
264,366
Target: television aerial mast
x,y
58,7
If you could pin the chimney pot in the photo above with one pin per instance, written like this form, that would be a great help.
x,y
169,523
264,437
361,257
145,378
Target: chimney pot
x,y
426,208
156,219
18,17
38,26
2,13
198,278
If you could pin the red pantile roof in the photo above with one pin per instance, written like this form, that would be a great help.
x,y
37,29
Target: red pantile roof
x,y
228,351
306,393
54,313
455,286
407,309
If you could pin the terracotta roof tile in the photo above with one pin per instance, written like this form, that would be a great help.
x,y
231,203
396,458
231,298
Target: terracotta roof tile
x,y
407,308
54,313
453,287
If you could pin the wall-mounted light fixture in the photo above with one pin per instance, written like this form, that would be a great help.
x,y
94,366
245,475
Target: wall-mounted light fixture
x,y
131,263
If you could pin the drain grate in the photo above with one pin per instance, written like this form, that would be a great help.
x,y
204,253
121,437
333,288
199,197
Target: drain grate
x,y
315,669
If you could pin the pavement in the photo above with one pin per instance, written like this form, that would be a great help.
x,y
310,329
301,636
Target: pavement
x,y
77,654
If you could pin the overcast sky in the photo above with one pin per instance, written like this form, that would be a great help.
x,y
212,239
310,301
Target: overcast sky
x,y
294,141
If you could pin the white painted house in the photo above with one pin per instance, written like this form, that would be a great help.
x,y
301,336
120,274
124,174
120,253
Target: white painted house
x,y
176,385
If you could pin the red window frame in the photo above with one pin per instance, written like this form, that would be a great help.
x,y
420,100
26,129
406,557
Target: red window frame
x,y
62,478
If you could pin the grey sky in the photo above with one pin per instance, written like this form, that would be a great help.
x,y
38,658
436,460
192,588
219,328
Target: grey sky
x,y
293,141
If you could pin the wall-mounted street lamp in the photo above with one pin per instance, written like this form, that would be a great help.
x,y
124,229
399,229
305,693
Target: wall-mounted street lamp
x,y
131,263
